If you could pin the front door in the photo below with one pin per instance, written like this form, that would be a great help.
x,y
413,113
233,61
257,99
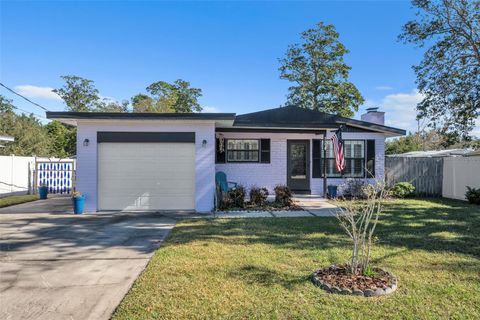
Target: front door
x,y
298,165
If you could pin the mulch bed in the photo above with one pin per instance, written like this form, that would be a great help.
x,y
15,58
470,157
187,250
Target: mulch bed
x,y
339,279
271,206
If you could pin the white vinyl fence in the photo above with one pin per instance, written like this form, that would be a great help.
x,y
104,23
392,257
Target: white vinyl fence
x,y
458,173
17,174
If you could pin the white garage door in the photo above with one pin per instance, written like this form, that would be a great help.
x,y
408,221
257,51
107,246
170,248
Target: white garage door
x,y
146,176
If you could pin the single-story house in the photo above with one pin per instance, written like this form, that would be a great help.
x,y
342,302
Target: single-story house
x,y
167,161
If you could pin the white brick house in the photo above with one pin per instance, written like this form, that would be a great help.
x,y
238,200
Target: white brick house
x,y
145,161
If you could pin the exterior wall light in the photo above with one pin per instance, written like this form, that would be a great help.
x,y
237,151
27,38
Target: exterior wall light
x,y
204,143
86,142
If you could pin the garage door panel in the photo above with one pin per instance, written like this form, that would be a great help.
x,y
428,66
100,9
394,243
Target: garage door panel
x,y
150,203
146,176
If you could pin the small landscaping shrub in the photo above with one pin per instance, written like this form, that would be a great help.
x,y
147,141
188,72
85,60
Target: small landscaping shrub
x,y
283,195
258,196
473,195
353,188
403,190
225,203
237,197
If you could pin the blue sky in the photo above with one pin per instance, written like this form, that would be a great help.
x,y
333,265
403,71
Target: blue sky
x,y
228,49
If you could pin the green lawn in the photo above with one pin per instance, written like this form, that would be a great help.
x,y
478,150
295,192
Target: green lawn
x,y
260,268
11,200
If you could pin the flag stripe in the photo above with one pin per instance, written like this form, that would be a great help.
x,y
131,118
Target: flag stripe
x,y
337,142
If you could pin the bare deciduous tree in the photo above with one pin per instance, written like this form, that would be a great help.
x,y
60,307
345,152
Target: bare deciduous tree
x,y
359,220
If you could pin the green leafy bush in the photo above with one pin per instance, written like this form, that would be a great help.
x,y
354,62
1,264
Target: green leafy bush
x,y
283,195
403,190
237,197
473,195
258,196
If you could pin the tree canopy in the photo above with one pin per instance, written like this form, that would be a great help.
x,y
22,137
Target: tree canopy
x,y
449,74
79,94
317,67
168,97
32,137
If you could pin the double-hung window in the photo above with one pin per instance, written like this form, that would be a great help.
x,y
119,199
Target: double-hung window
x,y
354,153
243,150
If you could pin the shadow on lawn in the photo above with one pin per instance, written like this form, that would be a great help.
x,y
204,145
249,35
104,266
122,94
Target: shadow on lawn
x,y
433,225
260,275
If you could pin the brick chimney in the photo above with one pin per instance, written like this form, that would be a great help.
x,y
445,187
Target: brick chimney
x,y
374,116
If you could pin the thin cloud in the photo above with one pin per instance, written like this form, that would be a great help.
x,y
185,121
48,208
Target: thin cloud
x,y
210,110
32,91
400,109
383,88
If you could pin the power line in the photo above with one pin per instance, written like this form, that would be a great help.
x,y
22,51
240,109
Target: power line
x,y
29,112
18,94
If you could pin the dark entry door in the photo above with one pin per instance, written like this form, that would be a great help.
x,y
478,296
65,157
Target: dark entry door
x,y
298,165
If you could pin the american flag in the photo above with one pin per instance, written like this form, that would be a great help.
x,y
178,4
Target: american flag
x,y
338,150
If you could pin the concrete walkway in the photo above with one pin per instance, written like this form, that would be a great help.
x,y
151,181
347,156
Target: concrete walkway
x,y
55,265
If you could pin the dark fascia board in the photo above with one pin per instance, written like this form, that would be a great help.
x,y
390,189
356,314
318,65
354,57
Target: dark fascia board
x,y
373,126
334,125
278,124
139,116
271,130
116,136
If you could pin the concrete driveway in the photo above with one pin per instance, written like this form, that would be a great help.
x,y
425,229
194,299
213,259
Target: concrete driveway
x,y
55,265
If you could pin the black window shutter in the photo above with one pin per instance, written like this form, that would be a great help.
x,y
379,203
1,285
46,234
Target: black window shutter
x,y
316,158
265,150
219,156
370,158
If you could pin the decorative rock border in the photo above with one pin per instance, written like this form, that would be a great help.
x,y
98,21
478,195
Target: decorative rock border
x,y
356,292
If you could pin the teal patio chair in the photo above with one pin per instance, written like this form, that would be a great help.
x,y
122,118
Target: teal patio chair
x,y
222,183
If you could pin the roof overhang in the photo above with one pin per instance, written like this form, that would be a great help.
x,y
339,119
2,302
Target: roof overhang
x,y
388,131
304,127
271,129
73,118
294,120
294,117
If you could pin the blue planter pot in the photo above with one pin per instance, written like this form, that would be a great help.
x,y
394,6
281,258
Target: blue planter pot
x,y
78,204
43,192
332,192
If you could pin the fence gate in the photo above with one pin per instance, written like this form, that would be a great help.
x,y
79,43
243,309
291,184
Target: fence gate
x,y
59,176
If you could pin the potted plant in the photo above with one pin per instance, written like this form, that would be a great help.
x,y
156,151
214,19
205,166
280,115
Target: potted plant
x,y
78,200
43,191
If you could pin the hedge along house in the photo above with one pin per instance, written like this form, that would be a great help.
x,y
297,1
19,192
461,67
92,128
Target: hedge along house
x,y
164,161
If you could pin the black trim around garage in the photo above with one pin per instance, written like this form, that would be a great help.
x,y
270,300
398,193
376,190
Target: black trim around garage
x,y
146,137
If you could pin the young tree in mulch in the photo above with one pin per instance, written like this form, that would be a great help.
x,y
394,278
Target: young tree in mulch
x,y
359,220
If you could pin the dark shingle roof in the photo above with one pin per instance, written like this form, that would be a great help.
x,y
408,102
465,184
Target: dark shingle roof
x,y
296,117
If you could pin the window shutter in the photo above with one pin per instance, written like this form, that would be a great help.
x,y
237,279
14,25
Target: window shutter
x,y
265,150
220,156
370,158
316,158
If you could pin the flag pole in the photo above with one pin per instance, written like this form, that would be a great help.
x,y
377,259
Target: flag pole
x,y
325,165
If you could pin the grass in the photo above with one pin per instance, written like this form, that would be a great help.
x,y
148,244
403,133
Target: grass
x,y
12,200
260,268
